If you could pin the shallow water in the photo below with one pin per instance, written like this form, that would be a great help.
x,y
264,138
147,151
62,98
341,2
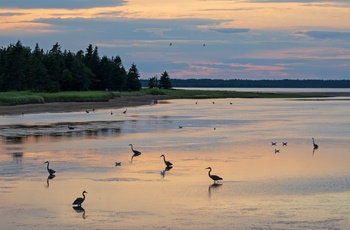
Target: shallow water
x,y
298,188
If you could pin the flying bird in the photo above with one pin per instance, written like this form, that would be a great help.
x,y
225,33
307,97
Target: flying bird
x,y
136,153
125,111
315,145
71,127
277,151
118,163
50,171
273,143
167,163
79,200
215,178
284,143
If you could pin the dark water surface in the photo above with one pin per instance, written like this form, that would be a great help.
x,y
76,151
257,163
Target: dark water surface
x,y
297,188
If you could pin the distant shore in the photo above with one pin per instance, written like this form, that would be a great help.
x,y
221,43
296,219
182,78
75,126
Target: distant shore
x,y
117,103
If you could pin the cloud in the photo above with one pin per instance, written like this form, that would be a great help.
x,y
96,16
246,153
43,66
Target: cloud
x,y
230,30
68,4
9,14
324,34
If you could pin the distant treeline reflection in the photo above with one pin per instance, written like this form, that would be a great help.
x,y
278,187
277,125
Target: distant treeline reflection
x,y
240,83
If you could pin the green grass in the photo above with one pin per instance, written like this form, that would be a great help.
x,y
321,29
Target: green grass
x,y
24,97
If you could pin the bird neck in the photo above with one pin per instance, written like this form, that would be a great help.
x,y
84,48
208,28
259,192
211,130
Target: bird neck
x,y
209,172
164,158
47,166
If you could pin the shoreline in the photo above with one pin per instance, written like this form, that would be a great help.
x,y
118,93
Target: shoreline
x,y
124,102
62,107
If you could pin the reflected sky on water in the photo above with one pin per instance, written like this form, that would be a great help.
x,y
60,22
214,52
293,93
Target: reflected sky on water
x,y
297,188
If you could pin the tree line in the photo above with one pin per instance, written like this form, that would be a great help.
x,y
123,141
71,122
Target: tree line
x,y
242,83
55,70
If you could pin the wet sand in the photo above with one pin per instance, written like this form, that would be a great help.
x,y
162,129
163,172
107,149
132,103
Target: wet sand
x,y
120,102
56,107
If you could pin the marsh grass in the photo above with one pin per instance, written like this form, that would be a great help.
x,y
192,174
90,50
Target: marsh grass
x,y
25,97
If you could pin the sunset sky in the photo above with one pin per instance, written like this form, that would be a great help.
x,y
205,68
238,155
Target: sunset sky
x,y
244,39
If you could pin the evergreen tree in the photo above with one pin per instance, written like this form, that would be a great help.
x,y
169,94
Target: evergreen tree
x,y
164,81
133,82
153,82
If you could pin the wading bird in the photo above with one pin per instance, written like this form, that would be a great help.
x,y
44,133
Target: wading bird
x,y
136,153
50,171
315,145
167,163
215,178
79,200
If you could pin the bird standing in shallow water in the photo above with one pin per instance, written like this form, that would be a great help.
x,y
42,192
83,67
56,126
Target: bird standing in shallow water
x,y
167,163
215,178
136,153
79,200
50,171
315,145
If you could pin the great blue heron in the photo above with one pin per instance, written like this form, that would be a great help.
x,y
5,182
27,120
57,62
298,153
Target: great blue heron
x,y
315,145
79,200
215,178
136,153
167,163
50,171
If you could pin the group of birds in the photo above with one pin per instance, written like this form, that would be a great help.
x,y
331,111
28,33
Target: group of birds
x,y
169,165
274,143
78,201
52,172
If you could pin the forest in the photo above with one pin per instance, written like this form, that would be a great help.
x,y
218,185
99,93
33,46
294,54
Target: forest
x,y
23,69
242,83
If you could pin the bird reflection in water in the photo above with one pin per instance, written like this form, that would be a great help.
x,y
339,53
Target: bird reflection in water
x,y
213,186
50,177
80,209
165,170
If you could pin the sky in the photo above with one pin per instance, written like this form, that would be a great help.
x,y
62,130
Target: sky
x,y
216,39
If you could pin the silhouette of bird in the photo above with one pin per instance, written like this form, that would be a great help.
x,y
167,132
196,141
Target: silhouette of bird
x,y
230,103
203,44
79,200
273,143
118,163
111,112
315,145
50,171
136,153
167,163
180,126
125,111
87,111
213,102
284,143
215,178
196,102
277,151
71,127
170,44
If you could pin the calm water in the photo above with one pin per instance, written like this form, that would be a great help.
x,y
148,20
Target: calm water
x,y
298,188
